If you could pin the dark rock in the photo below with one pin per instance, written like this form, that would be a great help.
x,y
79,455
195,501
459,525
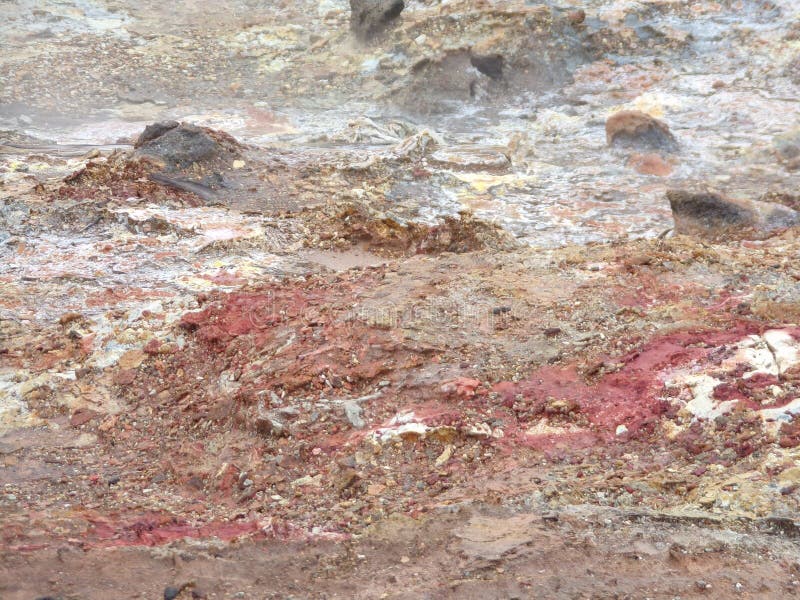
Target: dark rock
x,y
635,129
490,65
369,18
183,145
156,130
171,592
713,216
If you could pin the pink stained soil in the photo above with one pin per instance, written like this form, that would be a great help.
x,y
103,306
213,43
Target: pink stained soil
x,y
631,395
157,530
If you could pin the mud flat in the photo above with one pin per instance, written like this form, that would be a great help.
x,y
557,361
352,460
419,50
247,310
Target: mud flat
x,y
469,300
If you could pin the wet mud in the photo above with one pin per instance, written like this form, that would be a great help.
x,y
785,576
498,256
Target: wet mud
x,y
378,299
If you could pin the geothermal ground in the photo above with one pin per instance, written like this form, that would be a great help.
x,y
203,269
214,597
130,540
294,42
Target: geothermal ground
x,y
457,299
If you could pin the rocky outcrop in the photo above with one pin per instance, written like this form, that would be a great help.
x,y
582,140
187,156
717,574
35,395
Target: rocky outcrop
x,y
488,55
636,129
180,145
369,18
154,131
716,217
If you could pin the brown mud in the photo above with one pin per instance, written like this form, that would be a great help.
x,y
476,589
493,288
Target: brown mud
x,y
403,316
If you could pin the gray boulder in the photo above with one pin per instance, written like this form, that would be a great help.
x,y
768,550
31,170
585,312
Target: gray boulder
x,y
181,145
718,218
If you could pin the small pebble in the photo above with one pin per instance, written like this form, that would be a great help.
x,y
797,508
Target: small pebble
x,y
171,592
576,17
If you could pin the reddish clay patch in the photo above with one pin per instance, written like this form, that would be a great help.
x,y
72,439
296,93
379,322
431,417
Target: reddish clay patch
x,y
631,396
322,346
156,530
650,164
119,177
647,287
